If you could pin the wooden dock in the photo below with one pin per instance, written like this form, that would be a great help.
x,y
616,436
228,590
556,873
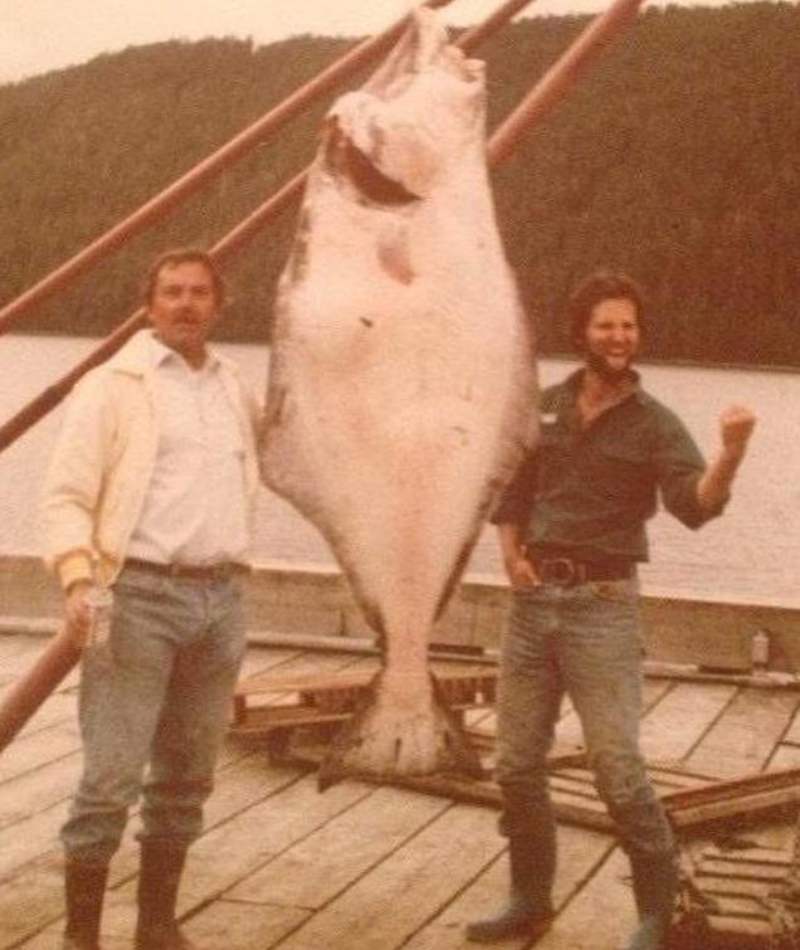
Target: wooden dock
x,y
364,866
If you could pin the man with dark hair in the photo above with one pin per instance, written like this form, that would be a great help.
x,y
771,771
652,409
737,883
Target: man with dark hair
x,y
572,530
149,495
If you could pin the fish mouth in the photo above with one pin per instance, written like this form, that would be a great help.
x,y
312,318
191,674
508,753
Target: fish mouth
x,y
346,162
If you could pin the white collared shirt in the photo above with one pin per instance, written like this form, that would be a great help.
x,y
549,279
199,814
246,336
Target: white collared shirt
x,y
195,508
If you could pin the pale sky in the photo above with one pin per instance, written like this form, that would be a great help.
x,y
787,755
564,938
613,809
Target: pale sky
x,y
37,36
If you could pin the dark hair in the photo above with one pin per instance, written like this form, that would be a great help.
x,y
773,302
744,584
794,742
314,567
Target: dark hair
x,y
597,287
184,255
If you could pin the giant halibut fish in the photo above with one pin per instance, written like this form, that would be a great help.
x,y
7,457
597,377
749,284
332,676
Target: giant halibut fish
x,y
402,382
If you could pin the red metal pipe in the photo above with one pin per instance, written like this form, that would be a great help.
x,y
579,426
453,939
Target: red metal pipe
x,y
60,656
157,207
559,78
53,664
221,251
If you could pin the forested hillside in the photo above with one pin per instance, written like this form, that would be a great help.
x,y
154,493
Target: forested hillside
x,y
676,157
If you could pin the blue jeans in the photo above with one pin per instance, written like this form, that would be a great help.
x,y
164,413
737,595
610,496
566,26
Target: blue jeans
x,y
157,693
585,640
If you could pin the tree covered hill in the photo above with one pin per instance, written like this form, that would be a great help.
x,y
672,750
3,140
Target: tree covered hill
x,y
675,157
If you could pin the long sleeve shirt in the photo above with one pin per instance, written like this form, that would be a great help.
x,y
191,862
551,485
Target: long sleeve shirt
x,y
591,490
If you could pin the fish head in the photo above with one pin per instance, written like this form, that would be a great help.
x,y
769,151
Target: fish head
x,y
399,137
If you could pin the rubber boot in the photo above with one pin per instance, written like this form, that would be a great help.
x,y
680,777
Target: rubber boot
x,y
655,887
159,880
529,910
85,888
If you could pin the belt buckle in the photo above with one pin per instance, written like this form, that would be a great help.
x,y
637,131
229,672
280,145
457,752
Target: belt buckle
x,y
562,571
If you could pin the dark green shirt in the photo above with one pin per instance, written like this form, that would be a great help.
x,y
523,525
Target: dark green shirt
x,y
591,490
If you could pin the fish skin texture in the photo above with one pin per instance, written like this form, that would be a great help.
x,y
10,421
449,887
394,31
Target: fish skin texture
x,y
402,386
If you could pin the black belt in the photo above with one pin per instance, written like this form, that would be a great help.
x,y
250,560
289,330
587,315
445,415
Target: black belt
x,y
566,571
198,572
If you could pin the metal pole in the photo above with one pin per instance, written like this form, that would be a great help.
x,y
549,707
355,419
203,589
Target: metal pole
x,y
233,241
157,207
559,78
28,693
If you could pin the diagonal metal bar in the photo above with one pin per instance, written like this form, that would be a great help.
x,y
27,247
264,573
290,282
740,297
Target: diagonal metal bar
x,y
544,96
233,241
557,81
156,208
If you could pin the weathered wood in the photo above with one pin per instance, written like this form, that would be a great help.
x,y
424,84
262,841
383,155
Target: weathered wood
x,y
740,798
280,864
31,861
600,916
673,726
320,866
230,925
40,679
395,899
25,796
579,853
741,741
37,749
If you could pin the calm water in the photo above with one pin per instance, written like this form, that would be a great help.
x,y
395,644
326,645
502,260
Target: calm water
x,y
751,554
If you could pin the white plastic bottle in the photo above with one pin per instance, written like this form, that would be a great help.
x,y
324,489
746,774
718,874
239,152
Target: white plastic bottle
x,y
99,600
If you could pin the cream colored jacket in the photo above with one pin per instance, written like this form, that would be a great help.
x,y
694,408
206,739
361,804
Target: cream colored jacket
x,y
104,458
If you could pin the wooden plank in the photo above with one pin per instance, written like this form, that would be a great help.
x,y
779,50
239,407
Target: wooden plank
x,y
235,926
394,900
600,916
792,734
59,708
30,900
315,870
672,727
259,660
31,860
579,853
743,739
36,749
53,939
22,798
752,855
730,869
246,841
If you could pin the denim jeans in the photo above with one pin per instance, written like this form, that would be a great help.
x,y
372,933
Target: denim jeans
x,y
157,693
585,640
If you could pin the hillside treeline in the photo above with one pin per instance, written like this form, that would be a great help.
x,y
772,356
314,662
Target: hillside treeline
x,y
675,158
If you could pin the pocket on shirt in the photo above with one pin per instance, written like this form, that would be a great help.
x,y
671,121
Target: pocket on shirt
x,y
627,472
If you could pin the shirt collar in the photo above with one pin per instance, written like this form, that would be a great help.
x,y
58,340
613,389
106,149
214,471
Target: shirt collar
x,y
573,384
162,355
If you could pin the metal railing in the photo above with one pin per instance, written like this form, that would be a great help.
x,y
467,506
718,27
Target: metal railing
x,y
546,93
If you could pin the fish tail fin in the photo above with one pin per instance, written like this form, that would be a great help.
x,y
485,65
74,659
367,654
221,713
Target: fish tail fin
x,y
388,736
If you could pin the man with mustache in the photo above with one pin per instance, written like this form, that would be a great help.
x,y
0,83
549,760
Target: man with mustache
x,y
572,530
150,494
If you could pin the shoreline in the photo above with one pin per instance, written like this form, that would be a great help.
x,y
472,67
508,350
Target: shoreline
x,y
560,357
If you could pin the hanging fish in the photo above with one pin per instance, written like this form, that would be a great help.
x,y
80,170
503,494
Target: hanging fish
x,y
402,382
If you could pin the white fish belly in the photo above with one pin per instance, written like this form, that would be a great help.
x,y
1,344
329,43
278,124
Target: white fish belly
x,y
402,382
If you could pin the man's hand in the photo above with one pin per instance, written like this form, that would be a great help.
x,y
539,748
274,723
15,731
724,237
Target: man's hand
x,y
521,572
76,613
736,426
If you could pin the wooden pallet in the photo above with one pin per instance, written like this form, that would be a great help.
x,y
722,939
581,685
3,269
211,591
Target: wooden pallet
x,y
271,706
733,902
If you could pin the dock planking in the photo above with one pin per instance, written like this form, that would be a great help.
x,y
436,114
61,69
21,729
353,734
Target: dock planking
x,y
377,867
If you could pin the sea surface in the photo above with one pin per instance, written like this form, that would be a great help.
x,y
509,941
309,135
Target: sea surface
x,y
749,555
